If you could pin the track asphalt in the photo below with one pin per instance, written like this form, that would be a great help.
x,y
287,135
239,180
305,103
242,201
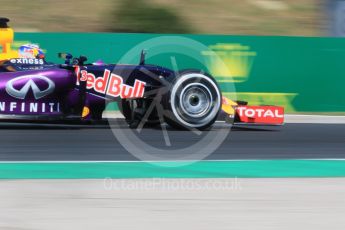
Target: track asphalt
x,y
292,141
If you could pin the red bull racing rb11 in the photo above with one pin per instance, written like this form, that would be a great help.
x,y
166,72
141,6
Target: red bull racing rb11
x,y
34,90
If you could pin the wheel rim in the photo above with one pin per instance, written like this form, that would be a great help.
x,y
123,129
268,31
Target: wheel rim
x,y
195,100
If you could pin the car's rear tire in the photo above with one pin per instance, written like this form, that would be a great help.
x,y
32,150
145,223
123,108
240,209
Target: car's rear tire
x,y
193,101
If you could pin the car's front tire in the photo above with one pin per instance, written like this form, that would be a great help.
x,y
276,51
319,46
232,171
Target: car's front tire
x,y
193,101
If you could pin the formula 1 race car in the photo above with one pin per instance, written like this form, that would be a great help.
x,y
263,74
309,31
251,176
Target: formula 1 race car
x,y
34,90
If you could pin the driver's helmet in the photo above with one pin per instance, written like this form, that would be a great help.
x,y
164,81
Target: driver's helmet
x,y
30,51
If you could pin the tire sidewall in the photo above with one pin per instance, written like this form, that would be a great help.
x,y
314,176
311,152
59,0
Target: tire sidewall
x,y
173,118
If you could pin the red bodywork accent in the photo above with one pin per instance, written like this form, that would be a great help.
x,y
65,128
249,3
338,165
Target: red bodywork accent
x,y
260,114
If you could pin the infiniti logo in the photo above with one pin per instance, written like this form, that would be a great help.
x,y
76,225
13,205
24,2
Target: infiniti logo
x,y
30,82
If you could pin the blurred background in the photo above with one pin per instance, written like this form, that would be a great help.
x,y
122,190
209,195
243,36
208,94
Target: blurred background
x,y
247,17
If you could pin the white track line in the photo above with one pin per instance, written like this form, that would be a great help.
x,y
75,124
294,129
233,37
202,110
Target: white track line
x,y
314,119
177,161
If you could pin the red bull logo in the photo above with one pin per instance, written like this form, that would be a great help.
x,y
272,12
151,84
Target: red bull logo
x,y
112,85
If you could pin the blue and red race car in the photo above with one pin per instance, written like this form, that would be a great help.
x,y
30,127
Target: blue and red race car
x,y
34,90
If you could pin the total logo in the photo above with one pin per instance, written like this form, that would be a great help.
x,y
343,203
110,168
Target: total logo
x,y
111,84
261,114
259,111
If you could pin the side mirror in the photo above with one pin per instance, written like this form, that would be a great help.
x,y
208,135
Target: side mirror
x,y
83,58
79,61
66,56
